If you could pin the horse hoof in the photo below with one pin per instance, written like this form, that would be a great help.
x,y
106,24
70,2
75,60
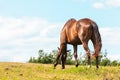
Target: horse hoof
x,y
55,65
88,66
63,67
97,67
76,65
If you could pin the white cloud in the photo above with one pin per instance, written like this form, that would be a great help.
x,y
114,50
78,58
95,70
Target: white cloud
x,y
111,41
113,3
23,37
106,4
79,0
98,5
110,35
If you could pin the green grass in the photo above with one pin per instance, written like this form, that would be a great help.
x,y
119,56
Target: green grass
x,y
30,71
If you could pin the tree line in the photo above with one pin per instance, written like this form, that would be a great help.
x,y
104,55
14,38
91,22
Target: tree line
x,y
49,58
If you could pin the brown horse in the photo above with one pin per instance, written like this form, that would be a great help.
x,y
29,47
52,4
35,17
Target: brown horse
x,y
79,33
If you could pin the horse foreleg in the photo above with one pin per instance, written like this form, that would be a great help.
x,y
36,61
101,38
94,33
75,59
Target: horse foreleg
x,y
62,54
63,59
58,56
75,55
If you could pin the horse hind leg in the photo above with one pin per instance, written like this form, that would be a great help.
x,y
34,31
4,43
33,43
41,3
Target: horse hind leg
x,y
96,51
97,62
75,55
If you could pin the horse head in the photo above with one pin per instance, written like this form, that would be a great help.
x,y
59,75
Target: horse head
x,y
67,50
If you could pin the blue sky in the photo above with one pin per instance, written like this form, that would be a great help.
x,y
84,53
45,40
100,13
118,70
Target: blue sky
x,y
27,26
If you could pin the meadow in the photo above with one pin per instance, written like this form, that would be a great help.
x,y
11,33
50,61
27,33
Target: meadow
x,y
32,71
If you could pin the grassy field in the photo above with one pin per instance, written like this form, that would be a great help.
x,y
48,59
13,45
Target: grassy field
x,y
30,71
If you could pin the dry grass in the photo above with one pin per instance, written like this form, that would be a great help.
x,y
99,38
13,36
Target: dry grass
x,y
30,71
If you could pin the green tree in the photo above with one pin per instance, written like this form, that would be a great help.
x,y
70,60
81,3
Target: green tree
x,y
69,59
34,60
84,59
47,57
40,56
114,63
105,62
54,54
30,60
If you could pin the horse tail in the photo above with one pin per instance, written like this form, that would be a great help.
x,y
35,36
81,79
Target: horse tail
x,y
96,39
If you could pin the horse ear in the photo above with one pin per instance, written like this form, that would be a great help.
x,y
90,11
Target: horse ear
x,y
68,50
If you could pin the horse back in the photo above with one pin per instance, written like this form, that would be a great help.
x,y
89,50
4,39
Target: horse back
x,y
69,33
